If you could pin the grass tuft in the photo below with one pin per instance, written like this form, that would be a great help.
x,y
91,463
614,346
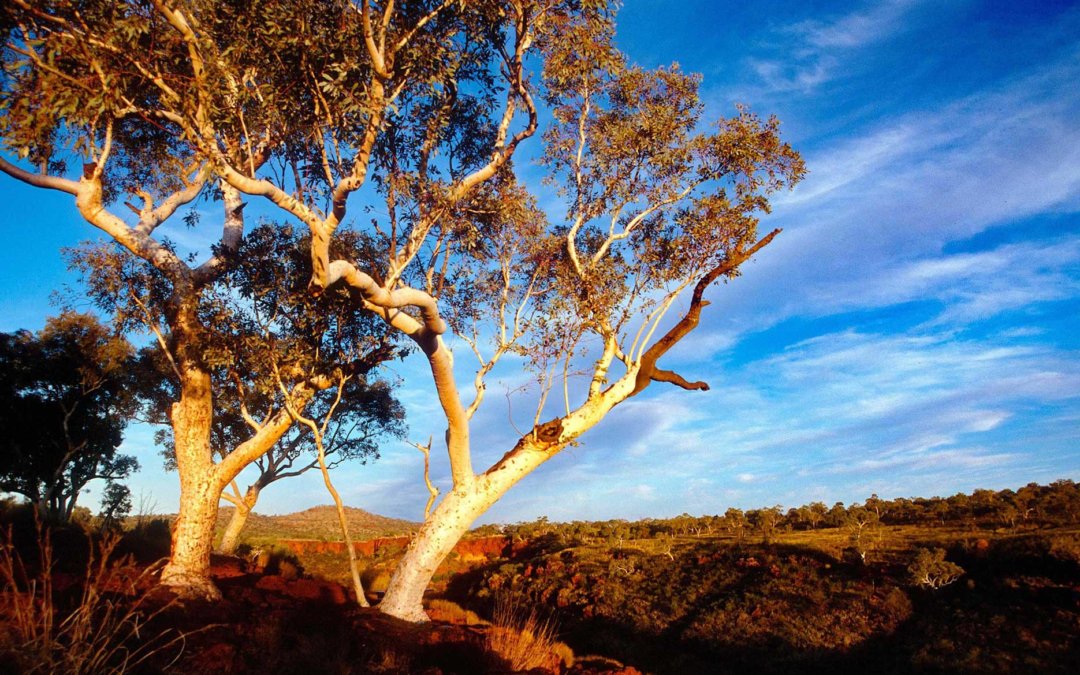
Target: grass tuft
x,y
451,612
98,625
524,640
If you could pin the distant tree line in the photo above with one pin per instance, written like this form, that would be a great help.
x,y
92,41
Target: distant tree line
x,y
1032,506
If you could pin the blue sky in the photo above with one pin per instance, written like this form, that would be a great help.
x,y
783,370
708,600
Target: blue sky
x,y
913,332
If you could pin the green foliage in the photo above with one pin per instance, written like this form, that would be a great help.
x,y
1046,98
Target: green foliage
x,y
306,102
766,522
65,399
863,526
115,505
149,540
258,323
931,570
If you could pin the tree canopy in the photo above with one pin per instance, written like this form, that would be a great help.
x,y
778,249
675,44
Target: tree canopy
x,y
262,335
415,112
65,399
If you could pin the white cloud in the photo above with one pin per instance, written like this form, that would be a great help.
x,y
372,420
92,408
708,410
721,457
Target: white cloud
x,y
868,228
970,286
812,52
857,29
853,160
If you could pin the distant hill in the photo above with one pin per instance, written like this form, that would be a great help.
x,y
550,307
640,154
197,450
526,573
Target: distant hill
x,y
320,522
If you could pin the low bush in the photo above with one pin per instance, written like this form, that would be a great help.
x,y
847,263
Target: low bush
x,y
451,612
1066,548
277,560
149,540
930,569
375,579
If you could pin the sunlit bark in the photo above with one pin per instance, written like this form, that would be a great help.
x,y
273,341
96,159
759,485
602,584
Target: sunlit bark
x,y
193,531
241,510
655,207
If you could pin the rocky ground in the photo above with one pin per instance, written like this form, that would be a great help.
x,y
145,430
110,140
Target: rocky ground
x,y
291,624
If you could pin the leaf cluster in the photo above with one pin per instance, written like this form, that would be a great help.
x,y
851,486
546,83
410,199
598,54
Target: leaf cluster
x,y
259,330
66,397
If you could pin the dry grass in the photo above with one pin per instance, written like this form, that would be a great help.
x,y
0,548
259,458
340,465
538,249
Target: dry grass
x,y
451,612
525,641
101,630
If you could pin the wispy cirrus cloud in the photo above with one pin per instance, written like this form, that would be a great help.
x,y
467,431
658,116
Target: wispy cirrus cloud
x,y
809,53
968,287
958,146
876,221
857,29
849,412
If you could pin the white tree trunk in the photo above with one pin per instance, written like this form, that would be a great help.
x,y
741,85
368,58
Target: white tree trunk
x,y
438,536
192,540
449,521
472,497
239,519
193,533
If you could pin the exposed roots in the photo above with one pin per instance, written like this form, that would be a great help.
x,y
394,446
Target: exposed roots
x,y
189,586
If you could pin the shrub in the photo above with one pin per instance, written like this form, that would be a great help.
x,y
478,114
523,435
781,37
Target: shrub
x,y
445,610
1065,548
896,605
375,579
149,541
930,569
277,560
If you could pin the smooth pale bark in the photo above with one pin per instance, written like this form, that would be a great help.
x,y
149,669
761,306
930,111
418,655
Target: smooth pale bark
x,y
239,519
450,520
461,507
192,540
202,481
193,532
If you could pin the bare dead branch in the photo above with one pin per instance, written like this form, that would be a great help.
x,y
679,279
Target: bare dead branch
x,y
693,315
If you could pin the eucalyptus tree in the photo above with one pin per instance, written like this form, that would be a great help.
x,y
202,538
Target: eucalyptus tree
x,y
414,111
65,399
367,415
89,91
260,320
261,330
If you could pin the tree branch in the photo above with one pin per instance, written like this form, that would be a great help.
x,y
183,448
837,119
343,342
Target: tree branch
x,y
433,492
659,375
38,179
318,433
647,370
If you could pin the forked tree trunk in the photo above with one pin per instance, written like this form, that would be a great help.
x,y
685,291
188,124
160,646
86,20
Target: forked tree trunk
x,y
472,497
239,518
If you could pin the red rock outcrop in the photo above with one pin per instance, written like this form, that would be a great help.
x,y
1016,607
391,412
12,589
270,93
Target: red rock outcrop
x,y
479,548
